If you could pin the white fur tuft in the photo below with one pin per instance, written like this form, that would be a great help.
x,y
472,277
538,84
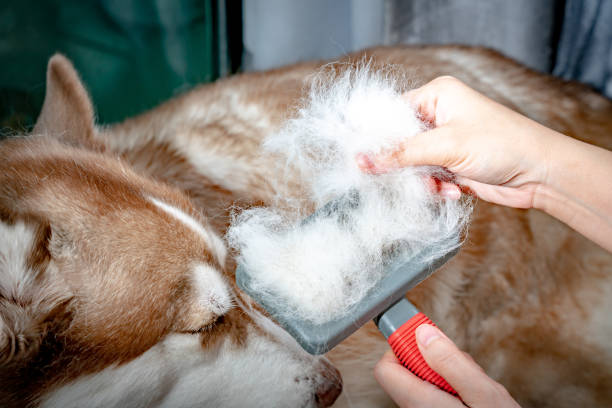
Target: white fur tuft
x,y
15,246
319,268
213,292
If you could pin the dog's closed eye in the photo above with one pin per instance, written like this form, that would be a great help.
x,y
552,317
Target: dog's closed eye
x,y
208,326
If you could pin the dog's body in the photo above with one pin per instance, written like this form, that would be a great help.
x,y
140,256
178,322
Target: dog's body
x,y
119,278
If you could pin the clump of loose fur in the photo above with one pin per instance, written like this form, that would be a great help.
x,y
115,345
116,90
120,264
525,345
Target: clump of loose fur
x,y
317,269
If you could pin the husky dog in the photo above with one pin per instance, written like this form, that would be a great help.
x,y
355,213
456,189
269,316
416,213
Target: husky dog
x,y
116,288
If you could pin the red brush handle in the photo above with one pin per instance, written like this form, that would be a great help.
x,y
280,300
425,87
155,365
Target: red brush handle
x,y
404,345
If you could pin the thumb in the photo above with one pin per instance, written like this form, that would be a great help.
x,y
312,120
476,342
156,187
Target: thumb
x,y
435,147
462,373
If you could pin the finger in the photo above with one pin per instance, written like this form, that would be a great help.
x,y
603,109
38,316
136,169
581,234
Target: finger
x,y
406,389
423,103
449,190
425,99
434,147
472,360
365,163
508,196
443,188
472,384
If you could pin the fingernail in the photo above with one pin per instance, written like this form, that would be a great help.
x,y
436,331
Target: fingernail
x,y
450,191
426,333
364,161
382,163
373,165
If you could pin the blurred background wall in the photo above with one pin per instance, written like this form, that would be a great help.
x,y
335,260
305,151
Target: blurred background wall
x,y
570,38
134,54
523,29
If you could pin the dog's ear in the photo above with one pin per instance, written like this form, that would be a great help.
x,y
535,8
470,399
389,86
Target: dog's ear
x,y
32,299
67,112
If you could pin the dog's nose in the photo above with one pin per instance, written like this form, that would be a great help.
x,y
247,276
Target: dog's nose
x,y
330,387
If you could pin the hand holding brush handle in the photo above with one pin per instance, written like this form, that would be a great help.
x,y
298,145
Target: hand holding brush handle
x,y
418,345
398,324
474,387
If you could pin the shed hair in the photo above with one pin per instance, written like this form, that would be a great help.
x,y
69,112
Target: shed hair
x,y
320,268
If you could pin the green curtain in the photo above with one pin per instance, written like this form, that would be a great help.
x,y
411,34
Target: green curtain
x,y
131,54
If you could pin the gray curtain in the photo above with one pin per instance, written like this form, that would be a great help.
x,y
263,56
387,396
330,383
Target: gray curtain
x,y
521,29
585,48
278,32
571,38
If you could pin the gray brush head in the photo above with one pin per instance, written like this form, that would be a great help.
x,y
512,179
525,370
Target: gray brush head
x,y
320,338
400,276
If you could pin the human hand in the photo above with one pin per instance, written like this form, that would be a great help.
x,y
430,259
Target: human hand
x,y
498,154
458,369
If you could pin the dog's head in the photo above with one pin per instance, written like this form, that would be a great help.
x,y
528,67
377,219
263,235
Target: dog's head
x,y
113,287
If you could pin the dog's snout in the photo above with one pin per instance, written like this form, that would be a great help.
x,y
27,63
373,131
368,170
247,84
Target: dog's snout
x,y
330,386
